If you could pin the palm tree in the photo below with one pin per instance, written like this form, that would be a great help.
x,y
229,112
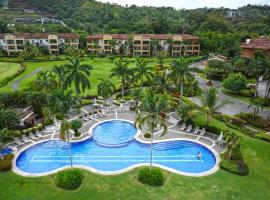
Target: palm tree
x,y
76,124
170,43
65,136
129,45
151,109
210,104
105,89
113,44
122,71
45,81
180,72
155,45
255,68
142,71
257,105
266,76
233,141
60,72
78,74
62,102
161,84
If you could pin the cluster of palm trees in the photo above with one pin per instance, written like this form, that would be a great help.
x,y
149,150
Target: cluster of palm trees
x,y
65,76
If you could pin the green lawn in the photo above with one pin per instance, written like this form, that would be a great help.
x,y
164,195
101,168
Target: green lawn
x,y
8,69
221,185
101,68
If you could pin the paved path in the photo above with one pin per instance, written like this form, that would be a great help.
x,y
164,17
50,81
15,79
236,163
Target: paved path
x,y
235,107
15,85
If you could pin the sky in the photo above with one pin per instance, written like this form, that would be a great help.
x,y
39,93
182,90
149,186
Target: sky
x,y
190,4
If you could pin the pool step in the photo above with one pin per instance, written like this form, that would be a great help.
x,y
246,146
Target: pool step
x,y
172,145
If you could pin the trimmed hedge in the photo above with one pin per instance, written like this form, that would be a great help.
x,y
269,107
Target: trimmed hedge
x,y
153,177
235,165
6,164
70,179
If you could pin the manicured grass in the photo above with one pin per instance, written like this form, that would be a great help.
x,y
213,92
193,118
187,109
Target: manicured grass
x,y
239,97
101,68
221,185
8,69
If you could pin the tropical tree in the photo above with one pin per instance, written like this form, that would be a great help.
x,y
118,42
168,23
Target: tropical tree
x,y
186,113
65,136
142,71
62,102
121,71
60,72
255,68
76,124
129,46
233,142
113,44
180,72
161,84
235,82
4,136
77,74
45,81
257,105
210,104
155,46
266,77
105,89
151,112
8,119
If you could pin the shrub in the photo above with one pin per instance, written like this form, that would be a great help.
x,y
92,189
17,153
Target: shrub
x,y
70,179
213,129
153,177
147,135
48,121
235,82
59,116
6,163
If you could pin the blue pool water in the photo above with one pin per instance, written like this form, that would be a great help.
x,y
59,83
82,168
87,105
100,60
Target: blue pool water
x,y
114,132
178,155
5,151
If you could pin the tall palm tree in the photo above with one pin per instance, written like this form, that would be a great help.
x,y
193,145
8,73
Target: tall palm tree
x,y
65,136
60,72
77,74
266,77
233,141
170,43
151,109
210,103
155,46
45,81
161,84
142,71
113,44
105,89
129,45
122,71
255,68
180,72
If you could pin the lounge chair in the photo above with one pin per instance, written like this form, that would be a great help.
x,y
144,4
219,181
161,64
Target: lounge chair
x,y
203,132
25,139
189,128
32,136
103,113
39,134
18,141
12,147
183,127
196,131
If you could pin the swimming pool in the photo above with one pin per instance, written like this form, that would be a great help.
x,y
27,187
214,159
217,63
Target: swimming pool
x,y
180,156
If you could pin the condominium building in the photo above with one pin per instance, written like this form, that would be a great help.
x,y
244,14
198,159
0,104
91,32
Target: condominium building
x,y
144,44
14,43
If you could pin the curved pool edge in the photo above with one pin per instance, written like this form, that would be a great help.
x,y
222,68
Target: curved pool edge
x,y
214,169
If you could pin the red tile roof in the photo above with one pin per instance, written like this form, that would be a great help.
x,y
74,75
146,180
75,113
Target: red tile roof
x,y
145,36
41,35
257,43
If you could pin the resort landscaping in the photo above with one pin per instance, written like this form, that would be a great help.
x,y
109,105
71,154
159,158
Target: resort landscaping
x,y
133,128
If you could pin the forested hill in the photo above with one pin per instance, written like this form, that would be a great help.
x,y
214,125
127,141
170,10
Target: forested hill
x,y
97,17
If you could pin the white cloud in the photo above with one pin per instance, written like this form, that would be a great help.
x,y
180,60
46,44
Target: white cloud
x,y
189,4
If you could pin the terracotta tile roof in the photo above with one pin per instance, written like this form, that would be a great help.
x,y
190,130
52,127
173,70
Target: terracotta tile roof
x,y
145,36
41,35
257,43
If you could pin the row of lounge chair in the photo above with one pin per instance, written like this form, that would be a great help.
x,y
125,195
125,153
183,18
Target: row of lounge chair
x,y
189,129
24,140
98,114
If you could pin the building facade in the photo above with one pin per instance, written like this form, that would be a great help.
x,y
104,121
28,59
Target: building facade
x,y
144,44
14,43
250,47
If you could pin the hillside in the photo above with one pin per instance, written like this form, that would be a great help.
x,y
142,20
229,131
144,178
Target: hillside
x,y
97,17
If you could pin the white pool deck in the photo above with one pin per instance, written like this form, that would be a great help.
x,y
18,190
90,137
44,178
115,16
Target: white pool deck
x,y
123,113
